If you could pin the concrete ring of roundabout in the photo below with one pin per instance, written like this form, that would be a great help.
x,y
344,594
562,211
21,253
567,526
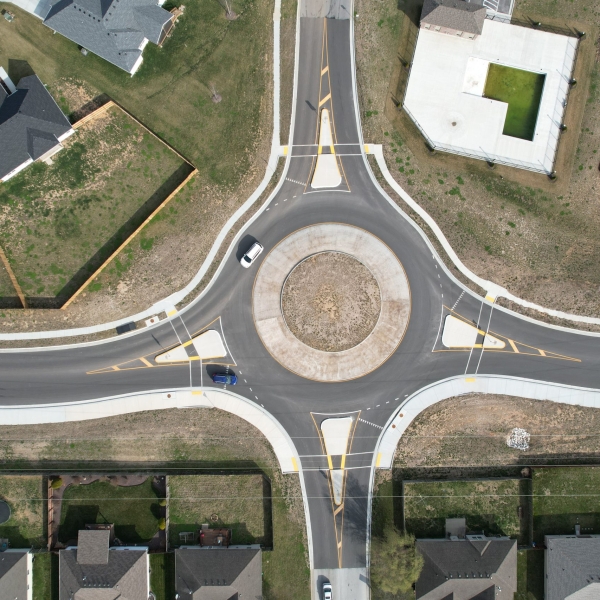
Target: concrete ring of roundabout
x,y
348,244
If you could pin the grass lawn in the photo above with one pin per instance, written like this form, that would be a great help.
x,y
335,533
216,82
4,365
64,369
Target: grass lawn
x,y
240,502
25,496
45,576
171,91
522,91
60,222
530,575
132,509
162,576
563,497
488,505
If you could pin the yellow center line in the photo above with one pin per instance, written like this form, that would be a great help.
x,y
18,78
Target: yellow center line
x,y
339,545
338,509
146,362
541,352
115,368
324,70
513,345
328,97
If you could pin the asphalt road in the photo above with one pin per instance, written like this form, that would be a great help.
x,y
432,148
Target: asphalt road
x,y
114,367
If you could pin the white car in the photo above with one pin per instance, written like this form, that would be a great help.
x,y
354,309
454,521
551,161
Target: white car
x,y
327,592
252,254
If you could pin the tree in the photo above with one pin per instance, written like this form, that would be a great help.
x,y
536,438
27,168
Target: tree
x,y
395,562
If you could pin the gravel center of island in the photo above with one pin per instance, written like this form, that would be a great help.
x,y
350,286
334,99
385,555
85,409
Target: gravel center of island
x,y
331,301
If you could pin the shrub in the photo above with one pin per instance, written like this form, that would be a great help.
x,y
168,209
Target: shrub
x,y
56,483
162,524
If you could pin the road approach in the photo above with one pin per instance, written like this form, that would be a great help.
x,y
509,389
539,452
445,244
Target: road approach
x,y
340,530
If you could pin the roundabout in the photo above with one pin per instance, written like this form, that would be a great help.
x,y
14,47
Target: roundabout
x,y
331,302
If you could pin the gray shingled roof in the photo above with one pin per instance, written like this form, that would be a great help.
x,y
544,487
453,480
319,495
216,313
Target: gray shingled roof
x,y
30,123
92,547
123,576
218,574
13,575
454,14
112,29
465,569
572,565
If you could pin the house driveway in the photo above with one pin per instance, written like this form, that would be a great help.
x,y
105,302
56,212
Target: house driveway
x,y
38,8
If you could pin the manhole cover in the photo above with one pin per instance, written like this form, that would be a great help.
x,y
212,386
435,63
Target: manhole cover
x,y
4,512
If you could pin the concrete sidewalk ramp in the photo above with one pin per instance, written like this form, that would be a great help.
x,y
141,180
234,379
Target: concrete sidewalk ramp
x,y
208,345
327,173
460,334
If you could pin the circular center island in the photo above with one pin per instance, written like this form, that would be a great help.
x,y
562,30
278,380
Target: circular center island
x,y
331,302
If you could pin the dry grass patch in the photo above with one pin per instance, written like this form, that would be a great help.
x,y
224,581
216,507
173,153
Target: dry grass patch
x,y
58,223
241,503
25,496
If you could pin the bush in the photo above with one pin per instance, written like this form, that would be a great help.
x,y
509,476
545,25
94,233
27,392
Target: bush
x,y
56,483
162,524
163,502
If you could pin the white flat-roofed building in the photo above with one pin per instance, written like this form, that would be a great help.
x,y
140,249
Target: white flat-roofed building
x,y
444,96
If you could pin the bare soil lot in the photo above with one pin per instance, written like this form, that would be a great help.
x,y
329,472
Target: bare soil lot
x,y
228,141
540,240
471,431
58,223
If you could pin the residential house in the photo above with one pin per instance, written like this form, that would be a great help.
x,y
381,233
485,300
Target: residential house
x,y
464,566
16,575
454,17
116,30
32,126
572,567
111,572
218,573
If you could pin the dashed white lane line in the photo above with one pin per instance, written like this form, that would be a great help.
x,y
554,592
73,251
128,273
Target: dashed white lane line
x,y
369,423
461,295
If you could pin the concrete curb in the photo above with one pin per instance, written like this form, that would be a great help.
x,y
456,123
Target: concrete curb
x,y
480,384
173,299
281,442
493,290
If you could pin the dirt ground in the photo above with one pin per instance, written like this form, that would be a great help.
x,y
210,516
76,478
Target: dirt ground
x,y
540,240
331,302
471,431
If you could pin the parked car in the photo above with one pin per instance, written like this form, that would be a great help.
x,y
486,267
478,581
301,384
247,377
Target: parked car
x,y
327,591
252,254
224,378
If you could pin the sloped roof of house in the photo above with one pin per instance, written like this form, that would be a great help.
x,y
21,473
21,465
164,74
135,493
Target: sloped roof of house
x,y
112,29
30,124
13,575
92,571
454,14
572,567
465,568
218,574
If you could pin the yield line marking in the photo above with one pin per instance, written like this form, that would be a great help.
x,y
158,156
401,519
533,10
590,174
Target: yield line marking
x,y
369,423
461,295
328,97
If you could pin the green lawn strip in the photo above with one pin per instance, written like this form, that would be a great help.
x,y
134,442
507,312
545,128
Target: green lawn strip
x,y
563,497
530,574
42,576
171,91
522,91
133,510
162,576
25,496
60,222
488,505
285,569
236,501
